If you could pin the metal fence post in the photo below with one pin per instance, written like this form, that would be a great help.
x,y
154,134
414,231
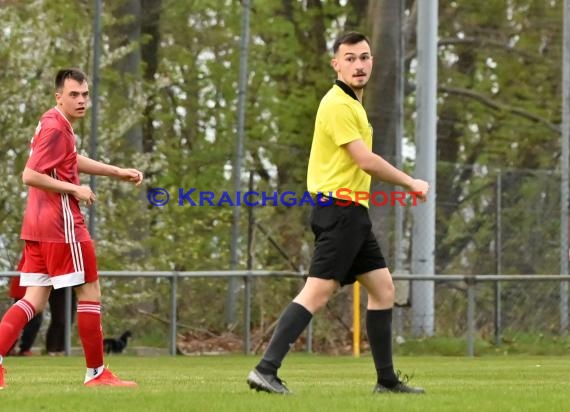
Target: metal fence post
x,y
173,306
471,284
309,342
247,315
498,258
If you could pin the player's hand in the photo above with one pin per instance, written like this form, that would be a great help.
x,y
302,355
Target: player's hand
x,y
131,175
84,194
420,187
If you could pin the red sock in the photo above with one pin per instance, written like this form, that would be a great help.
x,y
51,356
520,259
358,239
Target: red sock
x,y
13,322
90,332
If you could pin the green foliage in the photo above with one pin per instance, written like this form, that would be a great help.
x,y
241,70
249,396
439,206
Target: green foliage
x,y
502,55
31,50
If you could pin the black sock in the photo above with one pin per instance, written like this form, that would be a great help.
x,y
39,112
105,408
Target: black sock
x,y
292,322
379,328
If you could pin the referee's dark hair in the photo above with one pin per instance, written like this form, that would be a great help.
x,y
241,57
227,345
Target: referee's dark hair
x,y
351,37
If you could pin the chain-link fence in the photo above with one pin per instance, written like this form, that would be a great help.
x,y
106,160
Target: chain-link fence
x,y
169,312
488,222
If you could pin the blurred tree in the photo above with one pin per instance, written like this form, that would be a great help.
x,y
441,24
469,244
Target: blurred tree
x,y
489,113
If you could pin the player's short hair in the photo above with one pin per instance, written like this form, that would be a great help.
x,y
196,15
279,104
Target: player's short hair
x,y
65,74
351,37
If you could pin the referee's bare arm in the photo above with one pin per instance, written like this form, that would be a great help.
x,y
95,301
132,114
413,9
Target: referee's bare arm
x,y
380,169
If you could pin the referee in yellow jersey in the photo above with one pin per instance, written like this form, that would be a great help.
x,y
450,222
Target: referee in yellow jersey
x,y
346,250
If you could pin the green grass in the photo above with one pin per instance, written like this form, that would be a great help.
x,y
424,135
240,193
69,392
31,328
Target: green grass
x,y
517,344
319,383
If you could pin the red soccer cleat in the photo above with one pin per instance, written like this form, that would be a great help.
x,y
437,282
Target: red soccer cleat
x,y
107,378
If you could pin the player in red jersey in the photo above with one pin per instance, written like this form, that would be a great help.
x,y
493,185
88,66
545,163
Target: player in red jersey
x,y
58,250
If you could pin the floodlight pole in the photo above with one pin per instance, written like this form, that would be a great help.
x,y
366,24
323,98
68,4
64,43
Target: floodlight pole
x,y
564,136
238,161
95,106
423,232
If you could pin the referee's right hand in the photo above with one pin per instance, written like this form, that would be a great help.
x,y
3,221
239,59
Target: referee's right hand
x,y
421,187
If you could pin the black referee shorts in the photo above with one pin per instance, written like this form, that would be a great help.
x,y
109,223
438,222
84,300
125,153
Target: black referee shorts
x,y
345,246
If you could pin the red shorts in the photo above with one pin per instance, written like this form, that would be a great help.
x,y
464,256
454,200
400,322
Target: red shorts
x,y
17,291
58,264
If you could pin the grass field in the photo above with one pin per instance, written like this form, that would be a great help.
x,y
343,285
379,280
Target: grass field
x,y
319,383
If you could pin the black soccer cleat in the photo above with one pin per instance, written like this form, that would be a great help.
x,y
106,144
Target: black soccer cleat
x,y
266,383
400,387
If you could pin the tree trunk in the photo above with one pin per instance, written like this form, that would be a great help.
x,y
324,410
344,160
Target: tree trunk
x,y
149,52
384,101
129,66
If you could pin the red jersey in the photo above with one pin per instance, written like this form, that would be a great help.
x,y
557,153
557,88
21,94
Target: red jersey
x,y
50,216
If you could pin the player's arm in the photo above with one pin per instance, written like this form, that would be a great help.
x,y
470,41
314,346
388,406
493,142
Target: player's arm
x,y
42,181
93,167
379,168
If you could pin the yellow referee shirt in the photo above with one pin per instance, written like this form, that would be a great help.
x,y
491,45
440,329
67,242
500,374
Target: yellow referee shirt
x,y
340,120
